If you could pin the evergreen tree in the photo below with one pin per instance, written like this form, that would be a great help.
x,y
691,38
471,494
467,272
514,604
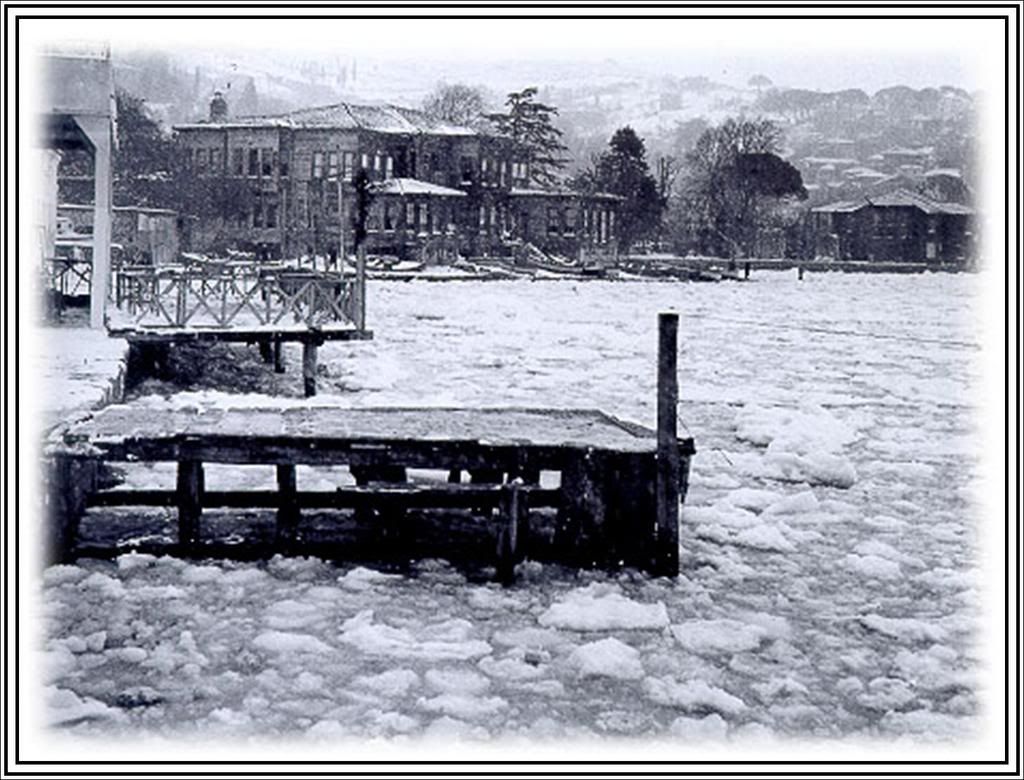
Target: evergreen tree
x,y
528,124
623,170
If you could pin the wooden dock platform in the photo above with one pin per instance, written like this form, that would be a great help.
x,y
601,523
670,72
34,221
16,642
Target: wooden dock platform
x,y
606,502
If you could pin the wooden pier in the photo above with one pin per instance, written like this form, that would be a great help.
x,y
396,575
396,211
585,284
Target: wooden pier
x,y
619,485
254,303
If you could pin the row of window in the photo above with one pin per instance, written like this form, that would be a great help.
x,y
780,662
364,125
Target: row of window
x,y
266,162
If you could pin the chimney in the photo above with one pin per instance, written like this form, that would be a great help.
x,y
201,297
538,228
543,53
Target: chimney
x,y
218,108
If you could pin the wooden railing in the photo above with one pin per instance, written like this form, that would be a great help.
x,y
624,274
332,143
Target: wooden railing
x,y
236,295
70,277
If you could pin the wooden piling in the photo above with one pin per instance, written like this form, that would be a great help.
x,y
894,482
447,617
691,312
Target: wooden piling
x,y
288,508
800,273
278,357
265,354
309,349
512,518
190,503
666,553
746,270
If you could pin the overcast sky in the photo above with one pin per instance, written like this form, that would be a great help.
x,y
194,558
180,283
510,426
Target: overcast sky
x,y
817,54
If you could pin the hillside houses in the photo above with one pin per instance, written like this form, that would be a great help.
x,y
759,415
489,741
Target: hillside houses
x,y
438,189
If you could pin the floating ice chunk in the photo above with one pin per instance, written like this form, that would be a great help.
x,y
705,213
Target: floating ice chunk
x,y
529,637
157,593
134,560
362,579
607,658
883,550
814,468
764,537
246,576
800,431
795,504
225,716
709,728
57,662
327,729
752,499
583,610
492,599
285,643
692,696
64,707
132,655
873,566
947,579
394,682
395,722
510,668
886,693
779,687
457,681
719,637
63,574
449,640
108,587
463,706
906,629
446,729
308,682
932,670
290,614
720,514
542,687
201,574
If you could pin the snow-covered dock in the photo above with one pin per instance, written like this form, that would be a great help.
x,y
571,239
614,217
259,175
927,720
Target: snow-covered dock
x,y
79,370
609,472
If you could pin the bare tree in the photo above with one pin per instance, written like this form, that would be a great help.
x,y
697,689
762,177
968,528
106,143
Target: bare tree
x,y
459,104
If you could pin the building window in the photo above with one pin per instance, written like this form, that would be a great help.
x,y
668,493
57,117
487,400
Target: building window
x,y
348,162
332,165
389,223
267,162
424,217
271,220
318,165
466,169
257,214
410,216
201,161
483,219
389,167
215,161
485,171
283,166
238,161
554,221
569,221
364,161
504,173
254,162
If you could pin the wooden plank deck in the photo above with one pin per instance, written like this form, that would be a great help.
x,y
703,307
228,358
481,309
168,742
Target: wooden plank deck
x,y
606,502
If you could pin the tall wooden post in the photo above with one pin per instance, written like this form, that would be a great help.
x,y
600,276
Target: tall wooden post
x,y
666,553
288,508
190,503
309,368
361,286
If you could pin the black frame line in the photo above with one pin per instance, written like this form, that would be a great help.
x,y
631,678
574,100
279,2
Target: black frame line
x,y
1016,17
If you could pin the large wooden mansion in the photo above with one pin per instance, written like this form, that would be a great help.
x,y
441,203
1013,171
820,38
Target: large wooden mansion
x,y
439,190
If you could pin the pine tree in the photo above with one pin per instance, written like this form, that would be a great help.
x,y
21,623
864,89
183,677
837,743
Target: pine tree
x,y
529,125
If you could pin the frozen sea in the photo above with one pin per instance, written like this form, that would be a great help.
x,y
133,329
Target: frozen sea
x,y
829,583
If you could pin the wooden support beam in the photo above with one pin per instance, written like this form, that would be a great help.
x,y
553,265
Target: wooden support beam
x,y
190,503
288,508
278,357
580,529
512,517
265,354
666,550
71,480
309,368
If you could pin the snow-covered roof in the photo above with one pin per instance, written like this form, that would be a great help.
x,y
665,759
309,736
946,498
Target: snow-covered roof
x,y
558,192
403,186
894,199
346,116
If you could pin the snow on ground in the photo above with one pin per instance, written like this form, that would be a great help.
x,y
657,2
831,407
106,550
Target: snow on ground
x,y
828,542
